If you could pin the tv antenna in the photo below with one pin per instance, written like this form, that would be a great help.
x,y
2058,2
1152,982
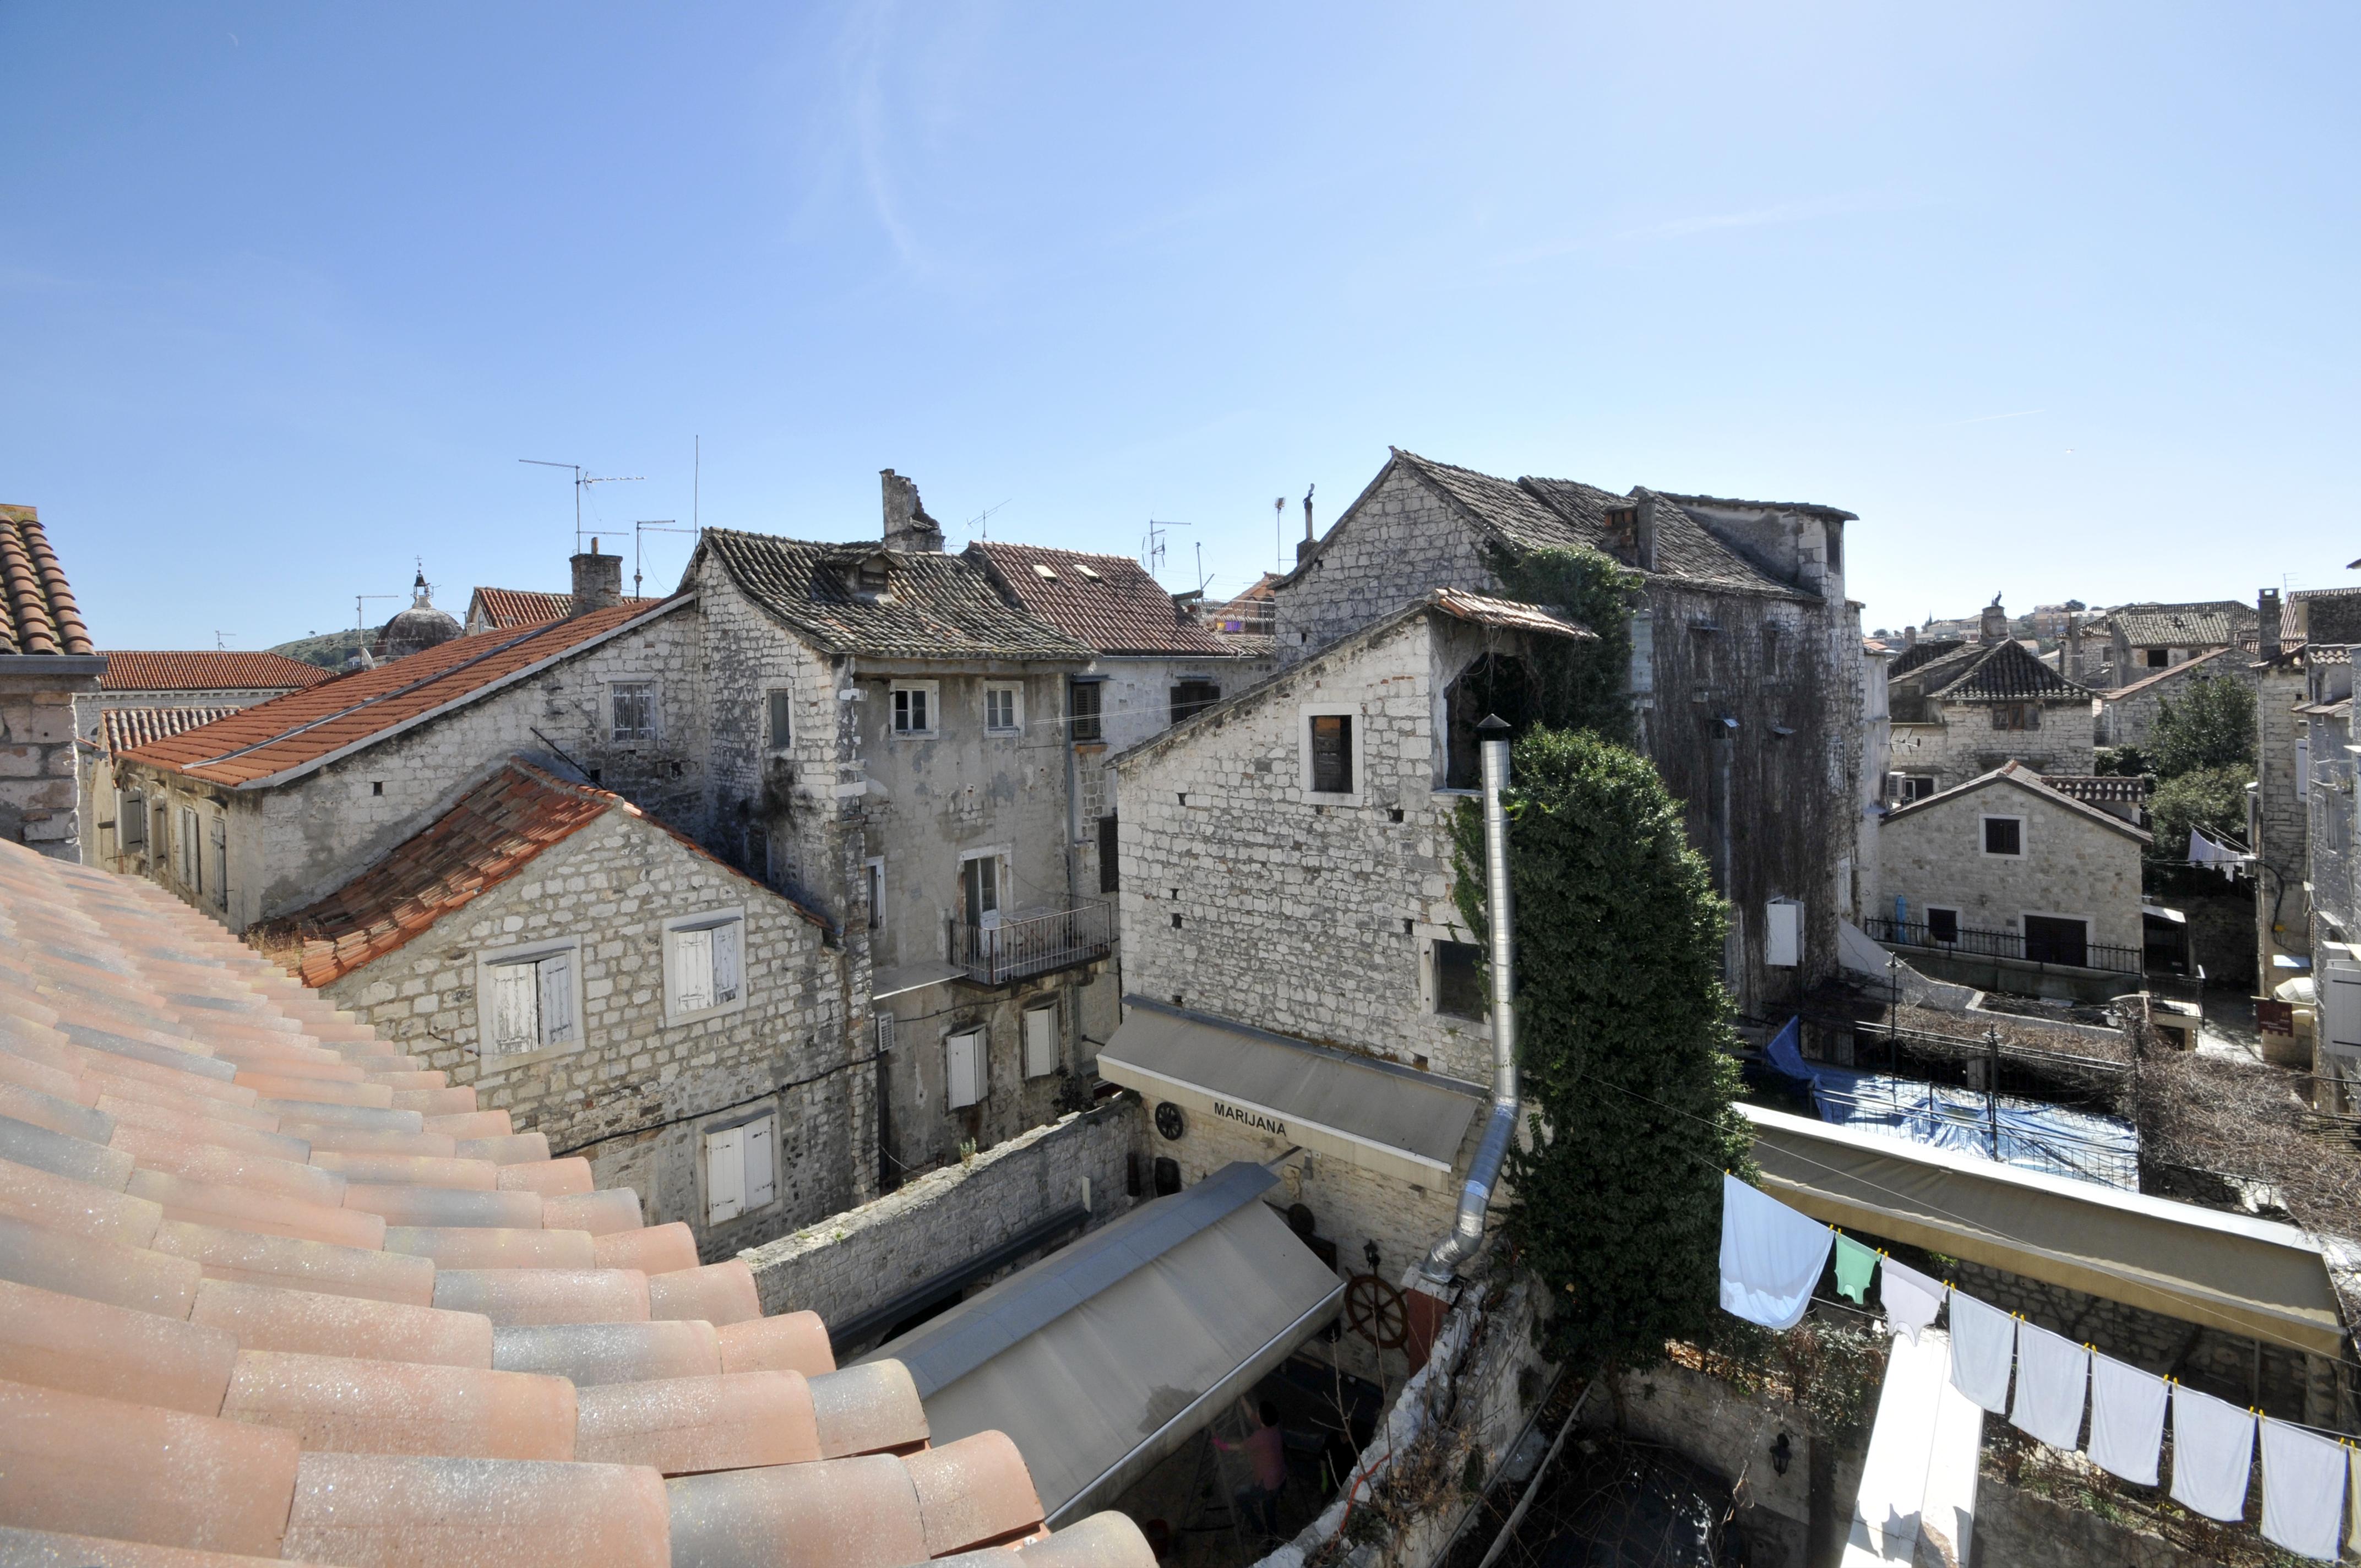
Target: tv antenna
x,y
981,524
583,481
1279,532
653,525
1151,551
221,641
360,622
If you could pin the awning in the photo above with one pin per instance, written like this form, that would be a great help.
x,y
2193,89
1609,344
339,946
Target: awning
x,y
1101,1359
2247,1277
1380,1116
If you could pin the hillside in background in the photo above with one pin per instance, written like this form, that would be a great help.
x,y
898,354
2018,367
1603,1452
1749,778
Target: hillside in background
x,y
330,650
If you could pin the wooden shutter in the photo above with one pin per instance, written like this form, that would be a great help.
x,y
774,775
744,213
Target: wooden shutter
x,y
556,988
725,1175
515,1021
1041,1041
2340,1006
1110,850
761,1162
692,970
727,969
963,1068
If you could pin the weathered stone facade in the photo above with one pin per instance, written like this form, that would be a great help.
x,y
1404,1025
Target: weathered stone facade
x,y
2128,716
2278,828
37,784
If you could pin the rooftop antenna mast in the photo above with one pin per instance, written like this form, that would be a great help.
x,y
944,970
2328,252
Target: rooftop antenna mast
x,y
1279,532
583,481
1151,553
360,622
221,640
651,525
982,522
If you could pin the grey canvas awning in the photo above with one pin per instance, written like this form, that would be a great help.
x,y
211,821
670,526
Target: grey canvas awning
x,y
1101,1359
1380,1116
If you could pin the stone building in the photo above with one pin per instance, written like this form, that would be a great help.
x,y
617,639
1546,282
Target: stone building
x,y
1296,970
1157,664
147,695
1746,676
613,986
1961,709
417,629
2332,845
2126,716
2140,639
2277,826
2004,867
47,659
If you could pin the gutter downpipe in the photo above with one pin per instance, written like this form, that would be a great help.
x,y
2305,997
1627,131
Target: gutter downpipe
x,y
1467,1232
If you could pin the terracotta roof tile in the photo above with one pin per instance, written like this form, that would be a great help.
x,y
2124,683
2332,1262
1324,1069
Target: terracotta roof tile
x,y
57,1341
517,1296
596,1354
506,609
292,1264
395,1511
269,1317
847,1513
1107,602
346,1405
973,1493
113,1272
720,1293
551,1178
37,607
206,669
685,1426
788,1341
611,1211
53,1548
659,1249
122,728
870,1409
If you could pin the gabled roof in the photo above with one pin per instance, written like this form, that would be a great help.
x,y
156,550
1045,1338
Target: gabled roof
x,y
2017,775
2092,788
2155,677
2178,625
323,1306
506,609
935,607
37,609
494,831
270,741
121,728
1926,651
1995,672
206,669
1108,602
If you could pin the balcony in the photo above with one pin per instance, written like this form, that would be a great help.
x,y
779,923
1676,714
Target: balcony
x,y
1034,942
1967,942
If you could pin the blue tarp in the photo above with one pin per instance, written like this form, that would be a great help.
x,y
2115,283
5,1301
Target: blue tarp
x,y
2028,1133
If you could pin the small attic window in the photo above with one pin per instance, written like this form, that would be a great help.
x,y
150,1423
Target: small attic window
x,y
870,576
1044,573
1087,571
1622,518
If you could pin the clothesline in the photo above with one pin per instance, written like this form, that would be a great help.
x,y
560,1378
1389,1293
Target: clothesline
x,y
1772,1256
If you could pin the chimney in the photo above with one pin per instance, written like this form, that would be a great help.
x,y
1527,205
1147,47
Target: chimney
x,y
1909,638
1995,629
1643,534
907,526
2069,649
2266,624
1305,548
598,581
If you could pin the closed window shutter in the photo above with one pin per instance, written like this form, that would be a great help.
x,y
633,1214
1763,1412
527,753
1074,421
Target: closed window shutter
x,y
515,1026
963,1064
692,968
556,974
1041,1042
725,1175
762,1178
2340,1006
725,968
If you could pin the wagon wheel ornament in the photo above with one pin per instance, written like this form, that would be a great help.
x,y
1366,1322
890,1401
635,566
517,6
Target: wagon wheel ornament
x,y
1375,1310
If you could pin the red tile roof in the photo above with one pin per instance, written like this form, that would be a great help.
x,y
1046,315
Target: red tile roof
x,y
226,1327
1107,602
258,744
121,728
507,608
207,670
37,607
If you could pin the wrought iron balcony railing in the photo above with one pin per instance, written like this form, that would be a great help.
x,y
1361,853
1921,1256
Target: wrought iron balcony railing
x,y
1034,942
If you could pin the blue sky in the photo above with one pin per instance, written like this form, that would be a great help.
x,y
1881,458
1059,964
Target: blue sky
x,y
2060,299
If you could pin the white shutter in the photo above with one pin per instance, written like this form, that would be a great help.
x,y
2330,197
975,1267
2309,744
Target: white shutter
x,y
1041,1042
762,1174
726,967
2340,1006
692,970
725,1175
963,1068
515,1011
556,972
1782,934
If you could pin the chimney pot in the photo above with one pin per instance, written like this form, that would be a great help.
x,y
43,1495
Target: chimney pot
x,y
907,526
1994,628
2266,624
598,581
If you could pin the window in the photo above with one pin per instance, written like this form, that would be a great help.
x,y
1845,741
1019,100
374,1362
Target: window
x,y
1041,1041
1083,705
875,868
632,706
741,1168
2057,940
1110,847
1003,707
1942,925
963,1081
1459,980
219,829
527,1002
782,717
131,818
873,576
1332,754
980,880
2003,835
1190,697
1916,787
703,959
2159,658
189,859
2016,716
914,708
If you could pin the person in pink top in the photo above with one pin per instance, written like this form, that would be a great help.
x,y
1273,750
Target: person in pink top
x,y
1266,1452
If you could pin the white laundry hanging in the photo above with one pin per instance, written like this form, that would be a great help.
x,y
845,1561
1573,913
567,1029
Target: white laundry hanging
x,y
2304,1490
2213,1455
1983,1343
2053,1373
1770,1257
2126,1420
1909,1297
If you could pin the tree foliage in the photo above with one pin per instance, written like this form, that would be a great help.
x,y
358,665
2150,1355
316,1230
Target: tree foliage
x,y
2211,798
1579,686
2213,726
1624,1033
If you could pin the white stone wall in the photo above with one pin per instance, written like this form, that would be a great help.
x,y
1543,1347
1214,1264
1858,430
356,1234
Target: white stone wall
x,y
2071,866
636,1094
2282,906
102,835
1964,745
1401,541
38,795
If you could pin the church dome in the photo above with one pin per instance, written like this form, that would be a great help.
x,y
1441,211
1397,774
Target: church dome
x,y
417,629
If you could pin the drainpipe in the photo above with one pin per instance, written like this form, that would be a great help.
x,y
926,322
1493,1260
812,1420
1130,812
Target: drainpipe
x,y
1467,1232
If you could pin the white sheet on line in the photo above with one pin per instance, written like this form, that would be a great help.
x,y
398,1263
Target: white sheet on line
x,y
2304,1490
1770,1257
1917,1497
1909,1297
1983,1344
2126,1420
2213,1455
2053,1373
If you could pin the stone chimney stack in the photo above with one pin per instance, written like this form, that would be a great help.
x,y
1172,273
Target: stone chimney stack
x,y
1995,629
598,581
2266,624
1304,548
2069,649
907,526
1909,638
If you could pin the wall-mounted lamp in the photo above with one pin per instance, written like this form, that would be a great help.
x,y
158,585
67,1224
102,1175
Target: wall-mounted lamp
x,y
1780,1453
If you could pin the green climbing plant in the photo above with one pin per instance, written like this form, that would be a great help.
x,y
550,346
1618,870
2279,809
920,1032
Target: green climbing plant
x,y
1625,1034
1579,686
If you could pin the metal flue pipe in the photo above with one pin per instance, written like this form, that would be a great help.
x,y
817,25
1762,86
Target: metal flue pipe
x,y
1467,1232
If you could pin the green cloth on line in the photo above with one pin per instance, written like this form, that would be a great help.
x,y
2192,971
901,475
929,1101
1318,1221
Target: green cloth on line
x,y
1855,1264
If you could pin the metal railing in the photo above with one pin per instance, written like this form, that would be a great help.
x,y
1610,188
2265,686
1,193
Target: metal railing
x,y
1973,943
1033,943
